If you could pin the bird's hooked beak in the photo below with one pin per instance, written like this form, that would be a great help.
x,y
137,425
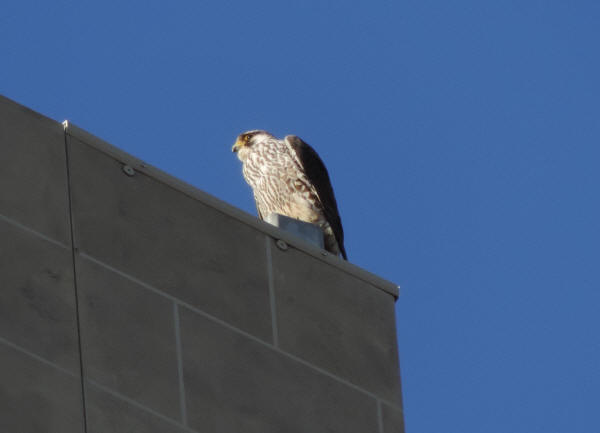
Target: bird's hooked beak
x,y
237,146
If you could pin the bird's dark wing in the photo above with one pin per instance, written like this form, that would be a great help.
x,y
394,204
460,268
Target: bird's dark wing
x,y
319,178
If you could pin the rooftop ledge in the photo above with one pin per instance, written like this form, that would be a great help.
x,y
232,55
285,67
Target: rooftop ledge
x,y
279,234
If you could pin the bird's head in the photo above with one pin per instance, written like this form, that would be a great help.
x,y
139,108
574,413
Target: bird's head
x,y
248,139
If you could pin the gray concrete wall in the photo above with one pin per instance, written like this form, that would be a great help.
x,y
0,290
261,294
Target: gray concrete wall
x,y
131,302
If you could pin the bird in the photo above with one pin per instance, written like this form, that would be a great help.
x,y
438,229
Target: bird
x,y
288,177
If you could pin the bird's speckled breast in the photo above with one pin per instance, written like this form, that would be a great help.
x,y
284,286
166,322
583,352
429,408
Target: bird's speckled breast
x,y
279,185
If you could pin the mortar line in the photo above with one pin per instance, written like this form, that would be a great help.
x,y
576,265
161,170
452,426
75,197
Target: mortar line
x,y
234,329
272,291
138,405
32,231
182,402
75,287
379,416
92,382
36,357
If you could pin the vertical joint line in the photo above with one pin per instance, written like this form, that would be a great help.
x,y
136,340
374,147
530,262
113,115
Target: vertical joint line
x,y
182,404
379,416
75,287
272,291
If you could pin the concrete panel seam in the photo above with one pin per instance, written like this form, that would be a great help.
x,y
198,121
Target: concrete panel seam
x,y
33,232
182,402
169,297
272,291
393,407
390,404
37,357
379,416
231,327
77,316
139,405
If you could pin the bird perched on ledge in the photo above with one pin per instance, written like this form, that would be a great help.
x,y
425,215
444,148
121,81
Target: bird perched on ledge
x,y
288,178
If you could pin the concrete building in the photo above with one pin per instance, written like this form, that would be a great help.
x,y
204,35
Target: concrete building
x,y
132,302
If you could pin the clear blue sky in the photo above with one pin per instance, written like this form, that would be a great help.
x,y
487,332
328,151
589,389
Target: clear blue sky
x,y
463,142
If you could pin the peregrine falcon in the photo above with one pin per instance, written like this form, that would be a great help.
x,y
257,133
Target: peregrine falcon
x,y
288,178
